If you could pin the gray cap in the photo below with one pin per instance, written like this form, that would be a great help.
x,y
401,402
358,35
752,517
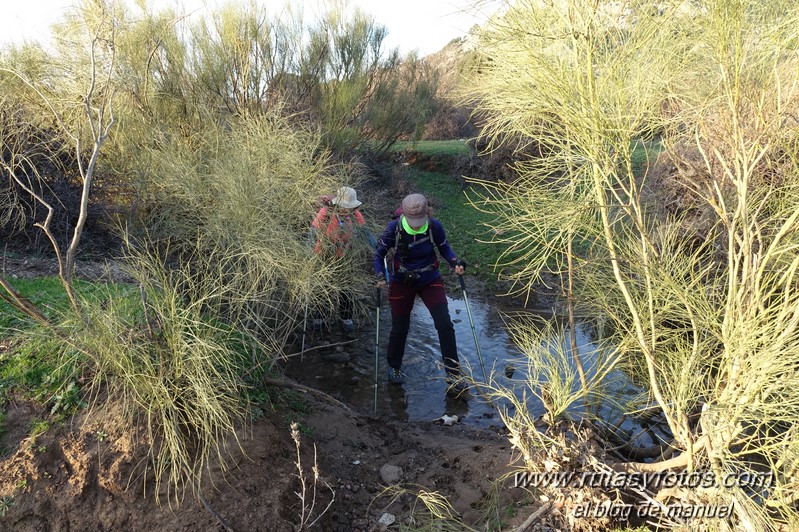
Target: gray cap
x,y
414,208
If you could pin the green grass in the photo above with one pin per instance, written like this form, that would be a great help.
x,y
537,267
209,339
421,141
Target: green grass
x,y
468,229
33,366
48,294
292,406
39,427
449,148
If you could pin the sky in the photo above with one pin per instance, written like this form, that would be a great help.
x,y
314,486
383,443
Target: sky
x,y
425,26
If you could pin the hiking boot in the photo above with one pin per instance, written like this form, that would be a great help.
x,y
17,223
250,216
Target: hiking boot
x,y
348,326
317,324
395,376
457,387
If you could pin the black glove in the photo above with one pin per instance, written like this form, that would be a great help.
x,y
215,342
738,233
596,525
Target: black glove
x,y
459,262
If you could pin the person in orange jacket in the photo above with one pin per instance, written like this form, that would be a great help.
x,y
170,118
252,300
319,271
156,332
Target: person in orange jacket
x,y
335,225
334,228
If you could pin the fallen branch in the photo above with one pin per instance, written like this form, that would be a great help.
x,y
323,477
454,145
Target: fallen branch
x,y
295,386
534,517
22,304
213,512
306,350
681,460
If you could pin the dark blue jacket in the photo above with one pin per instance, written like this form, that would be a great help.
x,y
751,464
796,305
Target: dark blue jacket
x,y
421,252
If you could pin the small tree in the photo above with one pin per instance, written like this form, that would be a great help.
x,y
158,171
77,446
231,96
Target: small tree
x,y
78,99
363,96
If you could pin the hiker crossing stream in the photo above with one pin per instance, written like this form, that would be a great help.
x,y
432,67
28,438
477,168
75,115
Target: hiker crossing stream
x,y
348,372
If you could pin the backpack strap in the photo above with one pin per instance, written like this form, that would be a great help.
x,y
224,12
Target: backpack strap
x,y
398,235
399,231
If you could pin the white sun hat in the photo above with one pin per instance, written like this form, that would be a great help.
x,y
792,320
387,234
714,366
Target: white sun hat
x,y
346,198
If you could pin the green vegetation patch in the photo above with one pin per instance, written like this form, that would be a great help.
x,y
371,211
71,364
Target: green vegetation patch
x,y
35,365
644,154
434,147
48,295
291,405
469,231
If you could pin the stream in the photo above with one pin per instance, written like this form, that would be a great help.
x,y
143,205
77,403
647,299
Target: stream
x,y
348,373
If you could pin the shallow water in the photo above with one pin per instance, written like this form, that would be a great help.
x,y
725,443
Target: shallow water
x,y
422,396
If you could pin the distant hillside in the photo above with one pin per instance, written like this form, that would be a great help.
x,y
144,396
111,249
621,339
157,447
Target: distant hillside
x,y
455,119
452,120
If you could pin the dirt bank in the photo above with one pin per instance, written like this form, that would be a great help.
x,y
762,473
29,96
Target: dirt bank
x,y
84,475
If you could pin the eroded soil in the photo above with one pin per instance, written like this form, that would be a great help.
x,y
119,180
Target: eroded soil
x,y
86,475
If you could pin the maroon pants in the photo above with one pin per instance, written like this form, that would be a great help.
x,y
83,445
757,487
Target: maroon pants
x,y
401,298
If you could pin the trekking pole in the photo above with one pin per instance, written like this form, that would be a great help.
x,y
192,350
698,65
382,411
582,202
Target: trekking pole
x,y
377,329
474,332
377,340
304,328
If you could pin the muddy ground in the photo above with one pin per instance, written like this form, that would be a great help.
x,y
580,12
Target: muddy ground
x,y
85,476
